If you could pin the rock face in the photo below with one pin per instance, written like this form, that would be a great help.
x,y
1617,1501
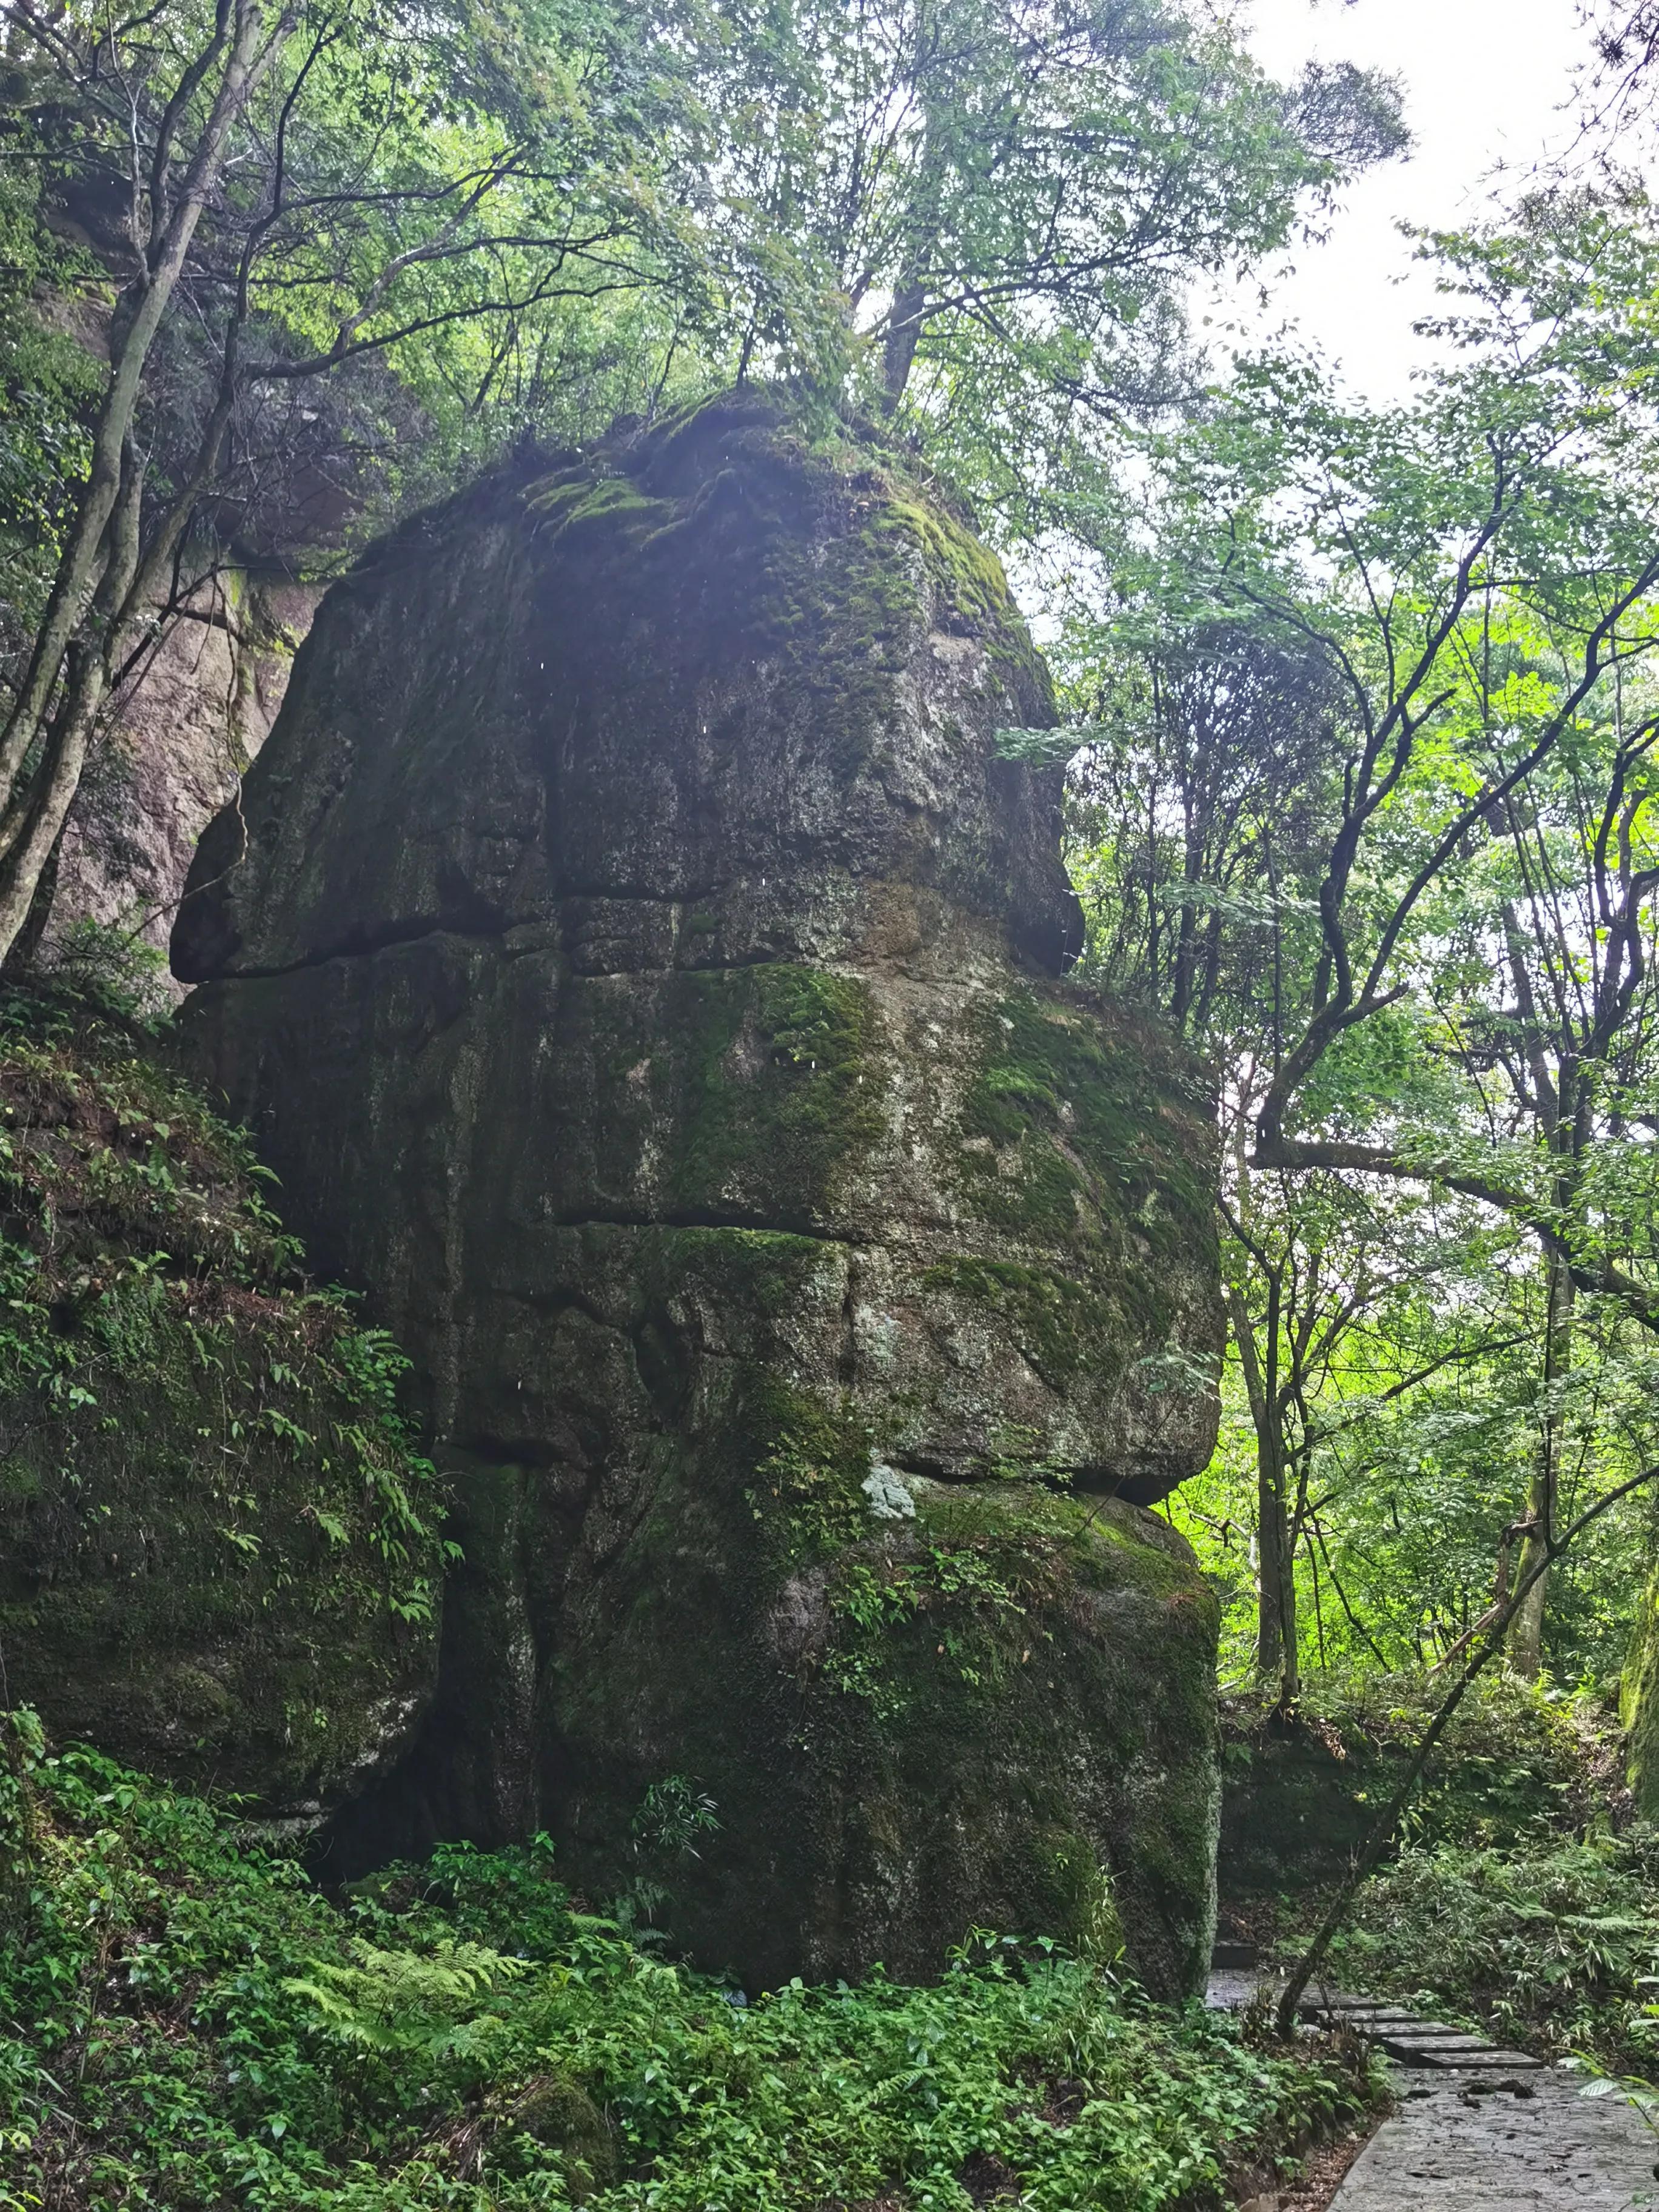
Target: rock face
x,y
193,718
643,974
1638,1703
218,1553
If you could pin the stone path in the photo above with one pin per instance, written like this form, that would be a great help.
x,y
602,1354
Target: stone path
x,y
1479,2129
1494,2144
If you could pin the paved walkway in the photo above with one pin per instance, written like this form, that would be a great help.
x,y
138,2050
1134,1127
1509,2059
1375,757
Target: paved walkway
x,y
1497,2146
1479,2129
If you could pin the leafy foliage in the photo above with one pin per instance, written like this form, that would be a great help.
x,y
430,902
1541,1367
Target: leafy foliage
x,y
1553,1945
134,1234
1368,813
187,2020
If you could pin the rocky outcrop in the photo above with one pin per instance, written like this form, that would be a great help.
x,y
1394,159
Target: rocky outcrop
x,y
1638,1703
218,1553
644,974
191,717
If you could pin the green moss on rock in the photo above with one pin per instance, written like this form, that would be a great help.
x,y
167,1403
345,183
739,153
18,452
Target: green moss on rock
x,y
218,1548
1055,1321
781,1078
1638,1705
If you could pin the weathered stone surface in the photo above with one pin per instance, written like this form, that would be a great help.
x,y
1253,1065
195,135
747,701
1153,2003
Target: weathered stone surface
x,y
194,715
642,971
1539,2143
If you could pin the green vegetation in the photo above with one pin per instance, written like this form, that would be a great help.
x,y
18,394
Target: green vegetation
x,y
1367,813
1551,1944
1523,1902
217,1531
184,2022
136,1233
812,1464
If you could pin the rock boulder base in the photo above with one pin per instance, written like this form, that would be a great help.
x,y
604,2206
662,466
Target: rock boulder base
x,y
643,973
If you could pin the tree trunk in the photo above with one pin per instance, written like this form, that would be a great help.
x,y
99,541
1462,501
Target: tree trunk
x,y
1527,1629
904,321
909,312
44,744
1276,1638
1276,1656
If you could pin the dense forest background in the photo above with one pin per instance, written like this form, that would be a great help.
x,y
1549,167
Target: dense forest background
x,y
1357,701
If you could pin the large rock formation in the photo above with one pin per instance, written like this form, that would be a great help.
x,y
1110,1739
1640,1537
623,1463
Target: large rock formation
x,y
641,969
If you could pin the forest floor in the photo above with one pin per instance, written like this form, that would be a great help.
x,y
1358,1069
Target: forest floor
x,y
1324,2171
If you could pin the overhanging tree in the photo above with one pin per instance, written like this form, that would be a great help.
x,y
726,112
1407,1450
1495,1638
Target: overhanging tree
x,y
283,189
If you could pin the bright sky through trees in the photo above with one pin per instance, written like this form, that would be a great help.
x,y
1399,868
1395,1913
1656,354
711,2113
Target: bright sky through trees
x,y
1484,81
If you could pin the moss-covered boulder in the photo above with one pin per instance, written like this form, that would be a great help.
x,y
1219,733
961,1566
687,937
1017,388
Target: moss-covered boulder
x,y
218,1553
644,972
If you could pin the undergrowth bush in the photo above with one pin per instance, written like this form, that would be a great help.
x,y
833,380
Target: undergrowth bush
x,y
135,1242
185,2022
1519,1758
1554,1944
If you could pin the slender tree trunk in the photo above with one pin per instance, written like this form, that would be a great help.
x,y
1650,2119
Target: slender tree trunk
x,y
908,315
44,742
1276,1655
904,321
1527,1629
25,945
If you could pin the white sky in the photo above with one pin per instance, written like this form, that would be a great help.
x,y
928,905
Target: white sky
x,y
1484,82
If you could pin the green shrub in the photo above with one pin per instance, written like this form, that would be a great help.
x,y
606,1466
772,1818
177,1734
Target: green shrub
x,y
1554,1946
185,2022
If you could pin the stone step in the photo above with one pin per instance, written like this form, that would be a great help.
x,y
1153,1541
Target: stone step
x,y
1410,2040
1428,2045
1486,2060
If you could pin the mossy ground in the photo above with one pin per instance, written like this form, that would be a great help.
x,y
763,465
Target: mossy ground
x,y
187,2023
220,1549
